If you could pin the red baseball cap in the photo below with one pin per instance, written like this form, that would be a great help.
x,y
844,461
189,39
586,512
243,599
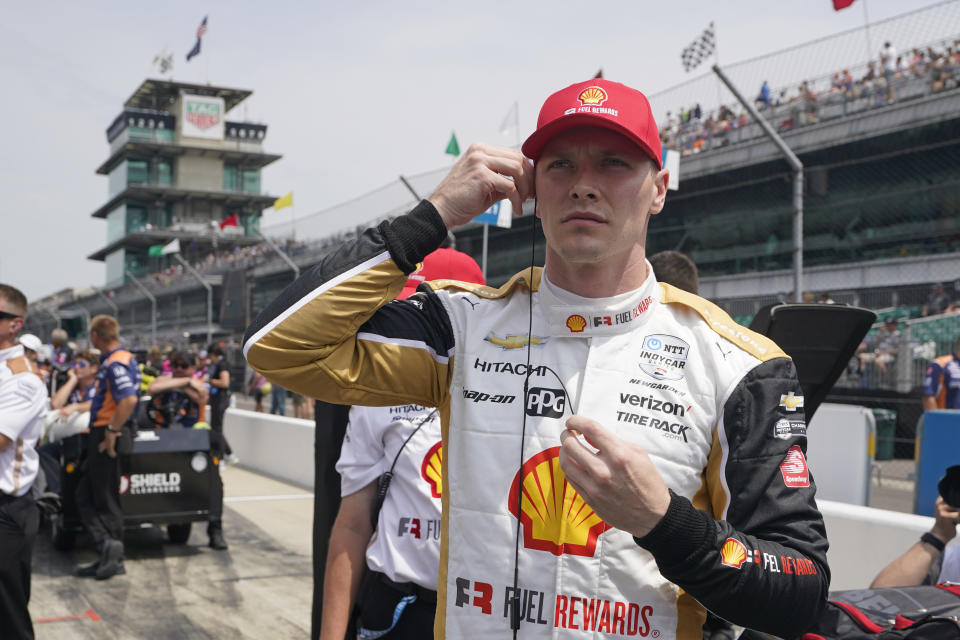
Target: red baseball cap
x,y
597,103
443,264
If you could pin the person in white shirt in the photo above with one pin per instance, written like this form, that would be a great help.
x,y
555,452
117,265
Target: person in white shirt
x,y
23,401
398,595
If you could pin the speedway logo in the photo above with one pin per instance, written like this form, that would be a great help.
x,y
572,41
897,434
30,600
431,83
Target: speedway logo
x,y
144,483
794,468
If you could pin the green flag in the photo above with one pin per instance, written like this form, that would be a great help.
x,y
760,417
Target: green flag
x,y
453,148
155,251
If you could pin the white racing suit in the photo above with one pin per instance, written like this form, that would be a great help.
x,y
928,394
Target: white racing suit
x,y
717,407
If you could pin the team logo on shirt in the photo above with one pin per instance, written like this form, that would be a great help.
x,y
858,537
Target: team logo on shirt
x,y
734,554
790,402
794,468
515,341
430,469
554,516
663,356
786,429
576,323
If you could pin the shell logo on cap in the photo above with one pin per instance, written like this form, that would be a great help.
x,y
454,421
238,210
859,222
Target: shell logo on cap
x,y
576,323
592,96
430,469
733,553
554,516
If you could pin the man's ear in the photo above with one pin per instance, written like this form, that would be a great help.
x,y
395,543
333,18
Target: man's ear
x,y
661,181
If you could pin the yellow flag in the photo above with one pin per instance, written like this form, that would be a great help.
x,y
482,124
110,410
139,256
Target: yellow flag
x,y
285,201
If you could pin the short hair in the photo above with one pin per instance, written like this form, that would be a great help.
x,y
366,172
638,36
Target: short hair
x,y
106,327
677,269
58,335
88,356
215,350
154,353
15,299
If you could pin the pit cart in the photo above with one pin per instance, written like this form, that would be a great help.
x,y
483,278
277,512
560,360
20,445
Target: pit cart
x,y
170,477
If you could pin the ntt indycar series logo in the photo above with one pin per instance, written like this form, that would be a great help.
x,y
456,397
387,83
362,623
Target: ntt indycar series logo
x,y
664,357
137,484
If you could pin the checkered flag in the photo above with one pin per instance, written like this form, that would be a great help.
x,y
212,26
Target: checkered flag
x,y
699,49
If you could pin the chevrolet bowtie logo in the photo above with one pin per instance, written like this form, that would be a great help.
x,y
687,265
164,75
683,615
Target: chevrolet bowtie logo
x,y
791,402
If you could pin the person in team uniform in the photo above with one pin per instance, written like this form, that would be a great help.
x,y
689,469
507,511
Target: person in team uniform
x,y
111,411
398,596
23,402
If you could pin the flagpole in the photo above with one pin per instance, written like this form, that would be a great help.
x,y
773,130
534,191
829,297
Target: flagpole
x,y
866,26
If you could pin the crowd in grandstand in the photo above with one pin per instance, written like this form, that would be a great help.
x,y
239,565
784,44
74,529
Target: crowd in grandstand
x,y
690,131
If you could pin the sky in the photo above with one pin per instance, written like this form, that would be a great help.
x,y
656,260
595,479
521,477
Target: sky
x,y
353,93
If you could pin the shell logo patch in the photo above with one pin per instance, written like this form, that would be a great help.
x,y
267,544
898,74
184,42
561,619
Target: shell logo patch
x,y
576,323
593,96
430,469
554,516
733,553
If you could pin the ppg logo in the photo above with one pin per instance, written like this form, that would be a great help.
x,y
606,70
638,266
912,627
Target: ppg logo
x,y
654,343
548,403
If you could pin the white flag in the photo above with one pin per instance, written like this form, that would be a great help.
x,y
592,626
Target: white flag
x,y
173,247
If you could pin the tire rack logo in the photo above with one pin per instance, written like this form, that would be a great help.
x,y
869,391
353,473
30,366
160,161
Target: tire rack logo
x,y
663,356
794,468
555,518
547,403
430,469
576,323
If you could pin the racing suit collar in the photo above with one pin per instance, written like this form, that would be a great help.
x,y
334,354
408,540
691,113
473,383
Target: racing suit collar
x,y
572,316
11,352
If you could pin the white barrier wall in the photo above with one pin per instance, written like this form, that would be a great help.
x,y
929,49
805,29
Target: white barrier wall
x,y
864,540
838,452
273,445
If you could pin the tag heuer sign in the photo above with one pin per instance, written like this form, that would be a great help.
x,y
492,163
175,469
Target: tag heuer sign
x,y
203,115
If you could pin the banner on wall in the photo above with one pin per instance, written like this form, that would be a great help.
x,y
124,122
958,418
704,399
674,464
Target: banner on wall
x,y
202,117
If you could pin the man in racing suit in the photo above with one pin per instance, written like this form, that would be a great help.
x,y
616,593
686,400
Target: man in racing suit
x,y
618,454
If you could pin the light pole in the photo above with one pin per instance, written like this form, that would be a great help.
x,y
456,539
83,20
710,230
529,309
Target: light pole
x,y
153,307
209,289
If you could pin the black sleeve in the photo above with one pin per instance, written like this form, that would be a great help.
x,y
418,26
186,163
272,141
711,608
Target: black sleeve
x,y
764,565
336,334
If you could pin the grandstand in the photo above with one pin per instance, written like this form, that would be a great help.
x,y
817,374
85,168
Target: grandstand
x,y
881,216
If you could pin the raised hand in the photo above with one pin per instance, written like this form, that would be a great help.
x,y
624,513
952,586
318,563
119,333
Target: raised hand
x,y
481,177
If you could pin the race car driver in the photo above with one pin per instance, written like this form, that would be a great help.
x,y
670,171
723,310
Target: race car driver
x,y
618,454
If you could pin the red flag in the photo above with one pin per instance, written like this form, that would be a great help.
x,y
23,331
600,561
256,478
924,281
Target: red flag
x,y
842,4
232,221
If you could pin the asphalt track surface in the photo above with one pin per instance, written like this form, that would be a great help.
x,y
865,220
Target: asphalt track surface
x,y
260,588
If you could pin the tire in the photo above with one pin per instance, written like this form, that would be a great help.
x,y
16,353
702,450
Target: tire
x,y
179,533
63,539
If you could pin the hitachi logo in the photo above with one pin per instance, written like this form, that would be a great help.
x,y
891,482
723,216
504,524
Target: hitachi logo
x,y
519,369
649,402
